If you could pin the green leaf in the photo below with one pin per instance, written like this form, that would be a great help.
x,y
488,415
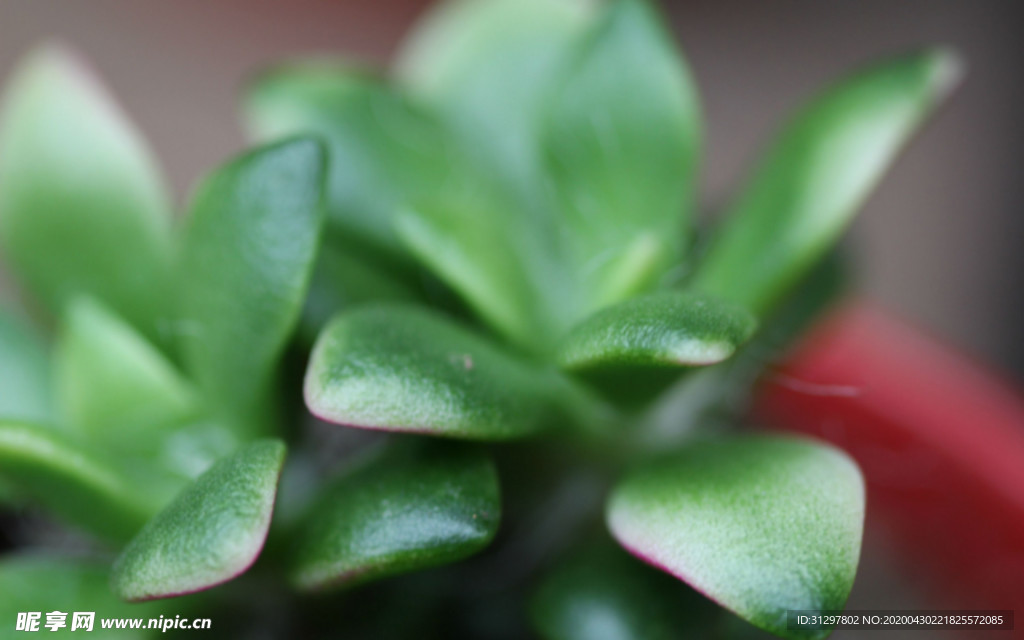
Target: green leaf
x,y
669,328
384,150
600,593
45,583
634,351
487,68
622,137
405,369
410,509
500,236
720,395
480,249
212,532
82,209
81,486
342,278
115,387
191,447
249,251
760,524
815,177
25,392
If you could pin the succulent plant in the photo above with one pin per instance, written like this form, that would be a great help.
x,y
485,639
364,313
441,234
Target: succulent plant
x,y
495,251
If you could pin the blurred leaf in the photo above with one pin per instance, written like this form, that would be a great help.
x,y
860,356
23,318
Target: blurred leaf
x,y
191,447
487,67
80,486
249,251
46,583
410,509
25,392
212,532
8,494
669,328
760,524
117,391
622,137
82,209
113,386
342,279
600,593
479,248
501,237
384,150
406,369
815,177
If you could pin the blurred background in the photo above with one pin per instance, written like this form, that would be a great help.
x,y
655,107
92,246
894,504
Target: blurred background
x,y
940,242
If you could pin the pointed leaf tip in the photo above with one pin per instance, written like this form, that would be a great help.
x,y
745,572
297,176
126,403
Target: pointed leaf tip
x,y
78,182
211,533
760,524
113,385
622,135
247,259
818,173
948,69
385,151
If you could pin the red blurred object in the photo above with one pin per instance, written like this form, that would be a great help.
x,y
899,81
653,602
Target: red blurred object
x,y
940,441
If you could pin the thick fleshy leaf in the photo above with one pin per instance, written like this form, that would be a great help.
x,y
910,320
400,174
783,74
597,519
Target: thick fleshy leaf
x,y
191,447
601,593
249,250
409,509
25,385
487,68
500,238
488,253
634,351
385,152
46,583
81,486
721,394
817,174
113,385
670,328
212,532
760,524
622,137
82,209
343,278
402,368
